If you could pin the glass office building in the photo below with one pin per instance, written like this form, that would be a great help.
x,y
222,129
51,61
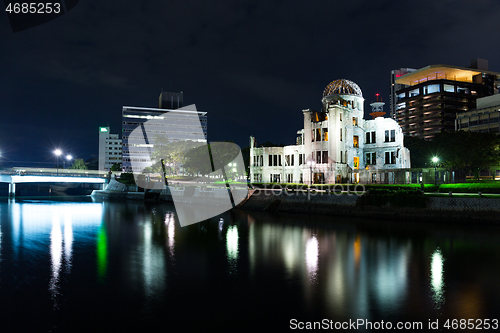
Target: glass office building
x,y
180,125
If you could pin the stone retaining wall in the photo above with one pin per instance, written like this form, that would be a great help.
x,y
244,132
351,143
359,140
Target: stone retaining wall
x,y
464,204
445,209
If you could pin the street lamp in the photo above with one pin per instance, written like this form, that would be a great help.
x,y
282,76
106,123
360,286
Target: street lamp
x,y
69,158
435,160
58,153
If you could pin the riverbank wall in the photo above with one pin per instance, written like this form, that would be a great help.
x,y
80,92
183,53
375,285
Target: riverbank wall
x,y
438,209
183,194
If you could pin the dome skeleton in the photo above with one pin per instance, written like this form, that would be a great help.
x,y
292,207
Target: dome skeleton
x,y
342,87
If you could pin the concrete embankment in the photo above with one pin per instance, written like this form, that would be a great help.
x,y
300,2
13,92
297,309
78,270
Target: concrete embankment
x,y
439,209
195,195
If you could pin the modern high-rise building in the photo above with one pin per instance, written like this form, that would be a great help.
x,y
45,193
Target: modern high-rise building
x,y
110,149
484,119
180,125
395,74
435,94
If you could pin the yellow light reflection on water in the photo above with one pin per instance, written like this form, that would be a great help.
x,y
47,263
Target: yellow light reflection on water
x,y
357,251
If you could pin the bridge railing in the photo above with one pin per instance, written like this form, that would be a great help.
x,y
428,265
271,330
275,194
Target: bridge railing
x,y
21,171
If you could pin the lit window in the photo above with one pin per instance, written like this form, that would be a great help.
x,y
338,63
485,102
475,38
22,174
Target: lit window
x,y
356,163
432,88
449,88
414,92
355,141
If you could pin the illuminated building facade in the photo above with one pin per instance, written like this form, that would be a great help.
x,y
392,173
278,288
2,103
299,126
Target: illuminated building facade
x,y
110,149
435,94
395,74
336,145
484,119
182,125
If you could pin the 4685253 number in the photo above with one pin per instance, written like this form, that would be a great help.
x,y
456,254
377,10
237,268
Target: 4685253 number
x,y
33,8
479,324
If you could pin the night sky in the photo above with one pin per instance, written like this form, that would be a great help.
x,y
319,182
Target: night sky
x,y
252,65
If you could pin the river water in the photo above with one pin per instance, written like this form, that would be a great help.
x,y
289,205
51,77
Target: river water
x,y
89,266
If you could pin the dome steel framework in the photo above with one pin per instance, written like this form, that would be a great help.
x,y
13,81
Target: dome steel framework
x,y
342,87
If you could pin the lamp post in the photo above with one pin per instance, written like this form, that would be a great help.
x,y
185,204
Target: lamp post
x,y
311,163
58,153
435,160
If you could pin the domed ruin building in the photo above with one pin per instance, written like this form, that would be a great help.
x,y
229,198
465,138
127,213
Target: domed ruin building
x,y
337,145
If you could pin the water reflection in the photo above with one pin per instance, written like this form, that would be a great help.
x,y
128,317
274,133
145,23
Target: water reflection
x,y
68,241
232,248
353,272
36,223
55,255
120,254
437,278
170,223
102,252
312,252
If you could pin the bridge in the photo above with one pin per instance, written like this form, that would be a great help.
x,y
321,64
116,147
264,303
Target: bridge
x,y
18,175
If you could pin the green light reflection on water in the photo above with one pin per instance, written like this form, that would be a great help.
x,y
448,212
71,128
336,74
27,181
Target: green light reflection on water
x,y
102,252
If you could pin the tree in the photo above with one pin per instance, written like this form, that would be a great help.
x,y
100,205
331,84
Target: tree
x,y
420,151
172,153
465,151
78,164
468,151
116,167
245,153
